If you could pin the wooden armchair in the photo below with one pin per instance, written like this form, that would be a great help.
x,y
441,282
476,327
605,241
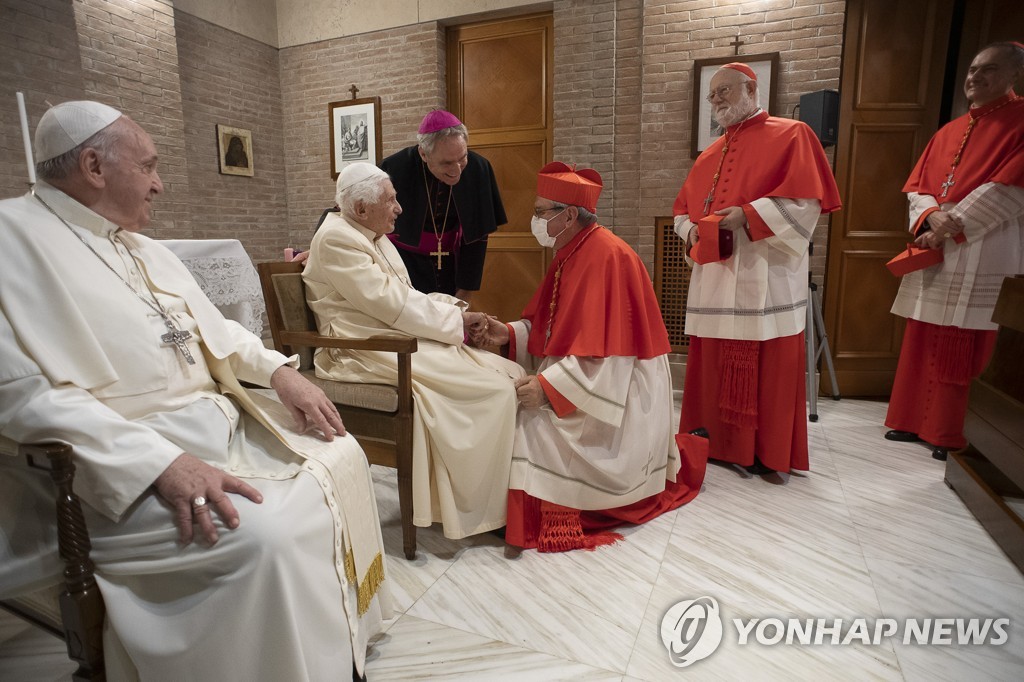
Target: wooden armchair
x,y
77,614
378,415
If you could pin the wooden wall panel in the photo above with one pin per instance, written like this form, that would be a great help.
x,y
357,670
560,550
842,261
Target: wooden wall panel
x,y
890,94
515,166
499,93
500,86
875,207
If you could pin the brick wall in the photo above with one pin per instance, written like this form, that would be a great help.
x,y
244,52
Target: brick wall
x,y
622,86
38,56
129,60
232,80
597,47
403,66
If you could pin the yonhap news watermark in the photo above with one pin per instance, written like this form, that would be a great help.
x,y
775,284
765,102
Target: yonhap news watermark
x,y
693,629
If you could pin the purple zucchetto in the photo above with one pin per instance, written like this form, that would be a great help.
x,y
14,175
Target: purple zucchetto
x,y
438,119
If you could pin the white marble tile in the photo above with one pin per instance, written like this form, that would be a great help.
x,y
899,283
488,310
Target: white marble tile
x,y
871,531
921,592
904,511
416,649
763,580
434,552
585,606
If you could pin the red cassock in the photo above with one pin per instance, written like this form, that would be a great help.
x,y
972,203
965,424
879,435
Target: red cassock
x,y
605,307
937,363
750,395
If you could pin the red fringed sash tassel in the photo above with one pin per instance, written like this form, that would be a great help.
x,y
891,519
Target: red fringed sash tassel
x,y
560,530
738,397
955,355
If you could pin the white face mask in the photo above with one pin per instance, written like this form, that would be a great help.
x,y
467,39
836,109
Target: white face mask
x,y
539,227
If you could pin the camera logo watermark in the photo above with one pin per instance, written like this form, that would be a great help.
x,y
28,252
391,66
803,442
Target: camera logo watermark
x,y
691,631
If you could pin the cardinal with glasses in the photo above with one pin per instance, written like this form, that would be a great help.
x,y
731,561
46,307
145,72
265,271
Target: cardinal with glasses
x,y
594,442
747,211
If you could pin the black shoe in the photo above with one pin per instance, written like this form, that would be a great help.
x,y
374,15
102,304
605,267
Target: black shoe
x,y
940,454
700,433
902,436
758,468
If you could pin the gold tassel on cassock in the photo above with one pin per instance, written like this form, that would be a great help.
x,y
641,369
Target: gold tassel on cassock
x,y
738,397
367,589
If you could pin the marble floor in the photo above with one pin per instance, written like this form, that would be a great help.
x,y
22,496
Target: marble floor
x,y
871,532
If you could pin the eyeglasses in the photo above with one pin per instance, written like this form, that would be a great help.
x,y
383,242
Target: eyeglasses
x,y
722,92
538,212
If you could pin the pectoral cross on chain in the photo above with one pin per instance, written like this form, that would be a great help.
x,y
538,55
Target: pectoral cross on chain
x,y
439,253
707,202
947,184
178,337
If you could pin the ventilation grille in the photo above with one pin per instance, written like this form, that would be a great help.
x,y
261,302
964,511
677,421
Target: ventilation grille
x,y
671,282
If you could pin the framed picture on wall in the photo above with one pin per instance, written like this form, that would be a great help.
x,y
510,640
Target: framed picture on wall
x,y
705,129
355,132
235,148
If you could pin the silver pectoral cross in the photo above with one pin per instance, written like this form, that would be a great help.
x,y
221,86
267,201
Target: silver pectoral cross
x,y
178,337
947,184
707,202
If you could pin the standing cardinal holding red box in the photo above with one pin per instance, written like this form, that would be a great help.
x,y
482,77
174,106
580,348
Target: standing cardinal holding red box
x,y
766,181
966,199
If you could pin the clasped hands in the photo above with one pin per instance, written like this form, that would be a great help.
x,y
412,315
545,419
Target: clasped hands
x,y
942,226
189,478
487,330
481,329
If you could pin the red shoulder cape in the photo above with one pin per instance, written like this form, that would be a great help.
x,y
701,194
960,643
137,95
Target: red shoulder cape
x,y
606,304
767,157
994,151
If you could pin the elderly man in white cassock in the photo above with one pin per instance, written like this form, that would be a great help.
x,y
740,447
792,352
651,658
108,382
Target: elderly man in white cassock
x,y
228,545
464,411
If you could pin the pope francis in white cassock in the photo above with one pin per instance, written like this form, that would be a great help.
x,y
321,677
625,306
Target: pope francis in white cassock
x,y
107,343
464,399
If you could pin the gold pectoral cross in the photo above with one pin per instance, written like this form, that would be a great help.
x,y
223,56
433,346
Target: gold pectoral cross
x,y
947,184
439,253
178,337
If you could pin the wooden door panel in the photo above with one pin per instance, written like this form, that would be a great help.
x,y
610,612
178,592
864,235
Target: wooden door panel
x,y
516,166
894,36
875,336
514,267
499,93
893,69
875,208
500,85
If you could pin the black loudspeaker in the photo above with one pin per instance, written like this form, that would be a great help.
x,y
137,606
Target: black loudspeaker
x,y
820,110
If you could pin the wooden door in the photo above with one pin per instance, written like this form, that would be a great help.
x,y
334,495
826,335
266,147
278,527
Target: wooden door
x,y
894,58
500,86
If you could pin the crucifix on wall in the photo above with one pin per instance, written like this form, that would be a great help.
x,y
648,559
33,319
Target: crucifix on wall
x,y
355,91
735,43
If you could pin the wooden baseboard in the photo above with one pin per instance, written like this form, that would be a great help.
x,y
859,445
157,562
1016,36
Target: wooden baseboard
x,y
980,485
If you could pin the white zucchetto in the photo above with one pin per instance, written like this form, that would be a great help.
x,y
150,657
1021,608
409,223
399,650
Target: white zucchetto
x,y
357,172
67,125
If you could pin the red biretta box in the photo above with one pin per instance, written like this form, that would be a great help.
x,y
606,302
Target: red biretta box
x,y
914,258
713,243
